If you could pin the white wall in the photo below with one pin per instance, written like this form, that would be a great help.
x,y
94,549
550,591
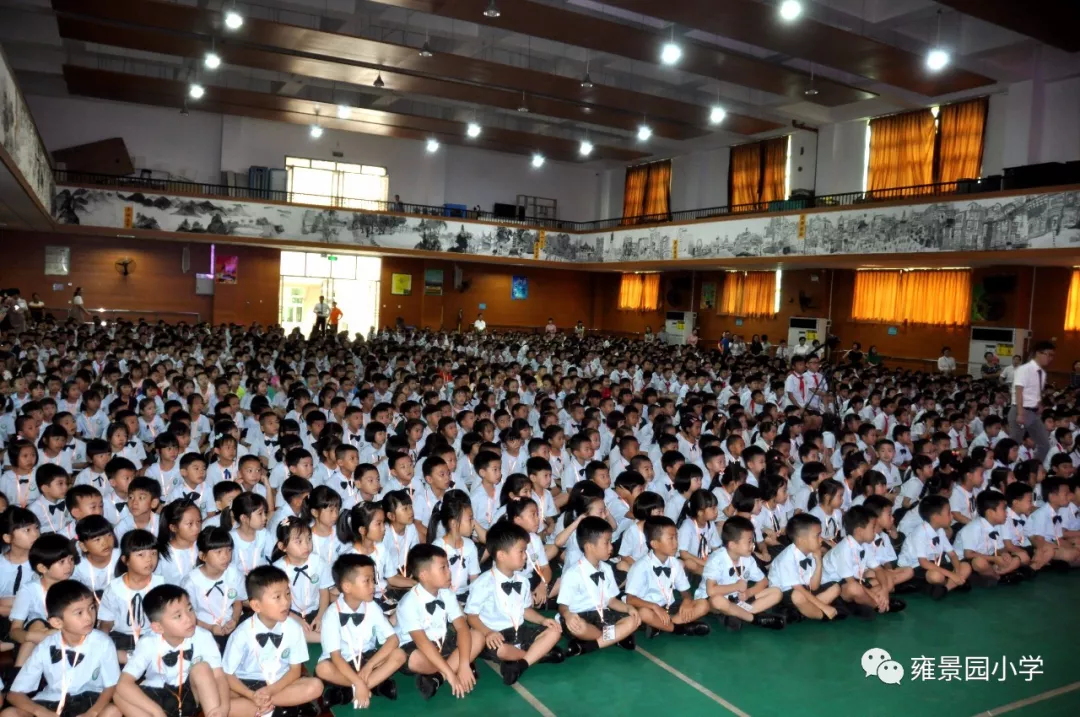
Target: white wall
x,y
1060,136
803,164
841,157
700,180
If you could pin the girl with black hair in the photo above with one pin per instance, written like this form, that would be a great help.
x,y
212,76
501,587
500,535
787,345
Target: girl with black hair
x,y
120,613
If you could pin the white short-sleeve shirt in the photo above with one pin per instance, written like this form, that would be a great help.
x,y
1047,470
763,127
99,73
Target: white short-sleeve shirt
x,y
95,670
657,582
150,659
342,633
583,590
722,570
248,658
791,568
420,610
499,600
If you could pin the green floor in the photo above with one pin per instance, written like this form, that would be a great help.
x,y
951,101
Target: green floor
x,y
810,669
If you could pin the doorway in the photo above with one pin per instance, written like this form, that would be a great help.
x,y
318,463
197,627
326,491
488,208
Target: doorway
x,y
351,281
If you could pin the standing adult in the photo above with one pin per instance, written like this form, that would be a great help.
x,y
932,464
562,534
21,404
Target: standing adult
x,y
37,308
480,325
1028,383
335,317
322,313
946,364
78,307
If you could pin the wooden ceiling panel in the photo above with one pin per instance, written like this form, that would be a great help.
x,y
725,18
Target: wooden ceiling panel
x,y
1055,22
581,104
759,24
642,44
172,93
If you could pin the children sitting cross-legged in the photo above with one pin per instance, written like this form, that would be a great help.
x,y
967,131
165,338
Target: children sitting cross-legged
x,y
432,629
175,670
982,541
122,615
216,586
500,603
263,657
847,564
797,572
360,650
734,584
52,557
927,549
657,584
588,595
75,662
309,575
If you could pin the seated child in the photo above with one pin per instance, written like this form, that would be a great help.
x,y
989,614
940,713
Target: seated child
x,y
696,532
175,670
425,615
142,497
1020,497
797,571
453,514
18,531
264,655
927,549
215,588
75,662
652,582
847,564
99,553
733,582
121,613
353,664
588,591
500,604
982,541
53,559
50,507
1046,526
882,554
309,575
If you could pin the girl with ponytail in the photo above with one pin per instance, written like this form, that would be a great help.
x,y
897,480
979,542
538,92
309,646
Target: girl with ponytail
x,y
452,520
697,530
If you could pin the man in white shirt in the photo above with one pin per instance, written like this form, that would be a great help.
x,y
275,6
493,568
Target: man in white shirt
x,y
480,324
1008,374
322,313
1028,383
946,364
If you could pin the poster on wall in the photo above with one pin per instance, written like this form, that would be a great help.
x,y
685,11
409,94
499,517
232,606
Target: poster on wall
x,y
433,282
401,284
708,295
225,269
519,288
57,260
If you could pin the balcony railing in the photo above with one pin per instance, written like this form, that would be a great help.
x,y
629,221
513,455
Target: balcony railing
x,y
846,199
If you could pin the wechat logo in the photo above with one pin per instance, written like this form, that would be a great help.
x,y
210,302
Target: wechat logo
x,y
876,661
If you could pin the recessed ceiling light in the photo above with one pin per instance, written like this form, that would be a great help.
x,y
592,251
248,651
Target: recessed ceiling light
x,y
473,130
432,145
492,10
538,160
316,131
717,114
937,59
343,111
790,9
233,20
670,54
644,132
586,148
212,61
196,91
379,81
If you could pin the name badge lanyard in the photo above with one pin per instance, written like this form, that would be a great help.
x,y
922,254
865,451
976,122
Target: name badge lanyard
x,y
531,564
667,593
401,555
600,591
243,563
65,678
855,556
357,650
135,625
179,674
937,557
263,664
219,618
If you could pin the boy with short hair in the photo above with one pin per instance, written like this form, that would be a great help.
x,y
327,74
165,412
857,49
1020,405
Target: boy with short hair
x,y
982,541
143,497
192,485
1021,499
1046,526
847,564
733,583
52,557
927,549
50,507
119,471
797,572
658,587
499,606
263,657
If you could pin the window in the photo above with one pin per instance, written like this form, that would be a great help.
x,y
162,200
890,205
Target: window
x,y
916,296
294,309
639,292
1072,307
337,184
758,174
750,294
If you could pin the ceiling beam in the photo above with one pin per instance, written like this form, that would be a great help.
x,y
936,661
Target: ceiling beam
x,y
1054,22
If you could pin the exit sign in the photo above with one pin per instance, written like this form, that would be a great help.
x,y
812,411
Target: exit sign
x,y
331,257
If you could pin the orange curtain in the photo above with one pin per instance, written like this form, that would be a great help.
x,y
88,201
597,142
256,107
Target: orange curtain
x,y
658,190
1072,308
750,294
639,292
961,128
773,178
634,193
745,178
901,153
937,298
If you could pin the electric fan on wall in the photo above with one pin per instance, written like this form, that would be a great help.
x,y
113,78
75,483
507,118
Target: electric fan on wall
x,y
125,266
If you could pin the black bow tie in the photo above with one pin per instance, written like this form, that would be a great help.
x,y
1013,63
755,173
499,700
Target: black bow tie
x,y
169,658
662,570
434,605
806,563
356,617
344,485
1056,520
936,540
597,576
272,637
69,447
271,441
511,586
297,572
1017,522
993,535
454,559
74,658
731,570
216,586
581,472
131,444
53,507
356,436
192,496
862,554
120,505
24,480
879,541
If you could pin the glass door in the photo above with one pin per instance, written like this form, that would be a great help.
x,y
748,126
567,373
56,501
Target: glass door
x,y
350,281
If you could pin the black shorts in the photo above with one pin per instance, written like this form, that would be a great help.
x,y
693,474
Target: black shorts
x,y
1029,549
534,580
448,646
166,698
593,618
253,685
30,623
920,571
786,600
123,641
522,638
74,705
306,618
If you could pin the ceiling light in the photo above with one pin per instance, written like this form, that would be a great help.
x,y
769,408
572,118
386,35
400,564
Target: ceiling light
x,y
937,59
233,20
432,145
810,92
473,130
586,81
425,50
212,61
492,10
538,160
379,81
586,148
717,114
316,131
343,111
523,107
644,132
670,54
196,91
790,9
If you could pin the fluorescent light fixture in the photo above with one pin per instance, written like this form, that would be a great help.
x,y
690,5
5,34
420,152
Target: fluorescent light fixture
x,y
432,145
233,20
344,111
538,160
790,9
644,132
212,61
937,59
473,130
586,148
196,91
316,131
717,114
670,53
